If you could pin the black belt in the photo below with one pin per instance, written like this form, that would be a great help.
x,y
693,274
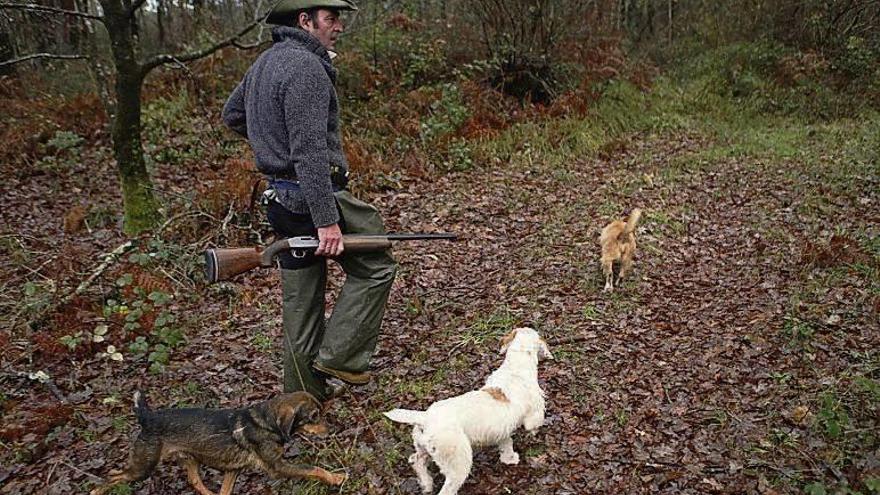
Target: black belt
x,y
338,176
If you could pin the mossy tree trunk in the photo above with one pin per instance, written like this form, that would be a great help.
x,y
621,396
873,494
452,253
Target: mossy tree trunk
x,y
119,17
139,203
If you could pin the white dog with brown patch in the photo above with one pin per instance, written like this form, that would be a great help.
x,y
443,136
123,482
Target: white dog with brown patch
x,y
450,428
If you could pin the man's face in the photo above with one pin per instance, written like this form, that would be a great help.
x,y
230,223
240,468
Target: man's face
x,y
326,26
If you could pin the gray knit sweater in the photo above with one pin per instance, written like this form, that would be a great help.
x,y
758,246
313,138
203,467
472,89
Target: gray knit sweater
x,y
286,107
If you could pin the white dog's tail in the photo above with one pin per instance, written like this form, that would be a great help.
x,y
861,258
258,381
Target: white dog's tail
x,y
406,416
632,221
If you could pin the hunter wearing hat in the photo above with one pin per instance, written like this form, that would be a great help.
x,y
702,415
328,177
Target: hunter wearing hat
x,y
286,106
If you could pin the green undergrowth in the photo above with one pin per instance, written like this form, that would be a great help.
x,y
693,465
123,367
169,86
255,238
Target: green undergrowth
x,y
555,143
771,78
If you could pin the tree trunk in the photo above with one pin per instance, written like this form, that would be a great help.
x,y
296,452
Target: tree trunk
x,y
160,22
141,207
6,53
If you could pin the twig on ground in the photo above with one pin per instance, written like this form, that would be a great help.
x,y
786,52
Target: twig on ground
x,y
175,218
175,280
109,259
228,218
80,471
36,271
317,447
56,391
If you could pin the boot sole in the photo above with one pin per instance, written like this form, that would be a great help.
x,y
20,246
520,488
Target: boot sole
x,y
363,379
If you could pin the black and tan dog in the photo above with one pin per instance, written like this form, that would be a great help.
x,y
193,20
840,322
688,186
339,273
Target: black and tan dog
x,y
225,439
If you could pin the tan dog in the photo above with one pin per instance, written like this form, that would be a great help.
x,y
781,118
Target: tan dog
x,y
618,241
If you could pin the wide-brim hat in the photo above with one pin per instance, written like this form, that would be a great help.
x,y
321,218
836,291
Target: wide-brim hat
x,y
285,9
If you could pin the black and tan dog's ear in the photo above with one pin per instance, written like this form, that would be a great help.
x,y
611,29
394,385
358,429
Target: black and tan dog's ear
x,y
291,410
507,340
299,410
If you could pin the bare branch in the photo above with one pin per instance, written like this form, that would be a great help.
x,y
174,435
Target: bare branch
x,y
251,46
187,57
52,10
34,56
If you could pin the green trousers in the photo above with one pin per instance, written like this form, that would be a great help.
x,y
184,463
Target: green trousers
x,y
348,340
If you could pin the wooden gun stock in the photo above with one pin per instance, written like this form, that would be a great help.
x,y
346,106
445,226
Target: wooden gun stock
x,y
223,264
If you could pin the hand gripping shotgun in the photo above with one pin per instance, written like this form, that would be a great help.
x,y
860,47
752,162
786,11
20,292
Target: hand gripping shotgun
x,y
223,264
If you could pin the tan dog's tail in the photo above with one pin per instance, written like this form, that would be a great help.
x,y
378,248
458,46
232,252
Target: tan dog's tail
x,y
406,416
632,221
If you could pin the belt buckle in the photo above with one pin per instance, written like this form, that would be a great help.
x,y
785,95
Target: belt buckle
x,y
268,196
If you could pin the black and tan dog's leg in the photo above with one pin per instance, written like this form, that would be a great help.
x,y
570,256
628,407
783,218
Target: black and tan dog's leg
x,y
116,477
193,476
228,482
142,461
271,457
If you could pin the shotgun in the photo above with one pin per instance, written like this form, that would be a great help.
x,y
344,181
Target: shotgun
x,y
223,264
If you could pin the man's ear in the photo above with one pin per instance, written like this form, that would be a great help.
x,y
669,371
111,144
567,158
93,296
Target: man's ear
x,y
507,340
303,18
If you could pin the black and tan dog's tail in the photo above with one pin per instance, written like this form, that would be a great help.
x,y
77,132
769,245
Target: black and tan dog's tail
x,y
141,409
632,221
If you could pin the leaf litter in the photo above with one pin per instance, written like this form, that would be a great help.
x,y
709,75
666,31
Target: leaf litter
x,y
718,368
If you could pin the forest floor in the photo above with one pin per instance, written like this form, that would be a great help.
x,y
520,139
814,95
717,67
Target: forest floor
x,y
742,357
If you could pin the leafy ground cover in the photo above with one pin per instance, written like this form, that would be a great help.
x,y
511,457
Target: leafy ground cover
x,y
742,357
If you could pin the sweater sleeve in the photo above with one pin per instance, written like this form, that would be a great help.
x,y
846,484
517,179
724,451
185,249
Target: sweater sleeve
x,y
234,114
306,100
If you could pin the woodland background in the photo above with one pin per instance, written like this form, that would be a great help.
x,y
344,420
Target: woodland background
x,y
741,358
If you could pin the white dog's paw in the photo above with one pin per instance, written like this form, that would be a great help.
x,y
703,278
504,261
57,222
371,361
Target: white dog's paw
x,y
608,288
510,458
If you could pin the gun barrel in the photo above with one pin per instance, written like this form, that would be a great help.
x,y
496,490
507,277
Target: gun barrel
x,y
421,237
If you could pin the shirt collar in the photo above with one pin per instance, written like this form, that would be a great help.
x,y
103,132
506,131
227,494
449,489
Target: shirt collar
x,y
300,37
305,40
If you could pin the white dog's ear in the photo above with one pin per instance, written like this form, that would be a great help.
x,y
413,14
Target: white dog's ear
x,y
544,350
507,340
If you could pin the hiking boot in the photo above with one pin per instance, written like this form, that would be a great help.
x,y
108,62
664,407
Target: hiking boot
x,y
350,377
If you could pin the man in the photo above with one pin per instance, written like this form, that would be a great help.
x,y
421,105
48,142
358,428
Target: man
x,y
286,106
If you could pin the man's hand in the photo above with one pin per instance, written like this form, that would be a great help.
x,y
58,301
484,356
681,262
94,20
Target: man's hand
x,y
330,241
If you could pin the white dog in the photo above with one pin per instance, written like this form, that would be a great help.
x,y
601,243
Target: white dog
x,y
448,430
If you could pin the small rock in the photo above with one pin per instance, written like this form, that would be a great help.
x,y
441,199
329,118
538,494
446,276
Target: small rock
x,y
800,414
